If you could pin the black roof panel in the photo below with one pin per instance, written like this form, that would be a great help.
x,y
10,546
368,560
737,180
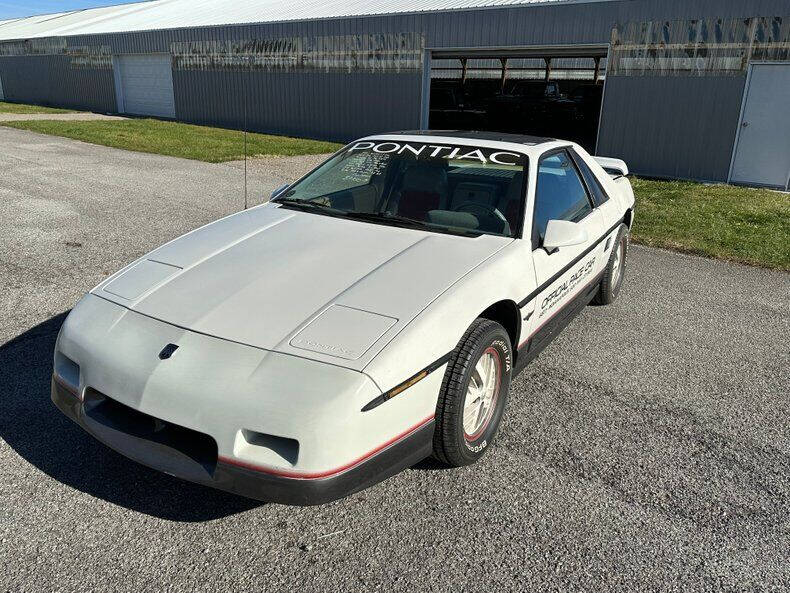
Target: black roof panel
x,y
477,135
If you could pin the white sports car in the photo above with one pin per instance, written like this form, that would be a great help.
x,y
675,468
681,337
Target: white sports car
x,y
370,315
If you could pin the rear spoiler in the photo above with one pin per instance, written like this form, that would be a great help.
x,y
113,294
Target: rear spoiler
x,y
615,167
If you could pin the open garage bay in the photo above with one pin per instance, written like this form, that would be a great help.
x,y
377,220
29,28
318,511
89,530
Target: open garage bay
x,y
556,92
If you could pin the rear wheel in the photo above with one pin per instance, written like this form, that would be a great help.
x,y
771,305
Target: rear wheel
x,y
614,274
473,395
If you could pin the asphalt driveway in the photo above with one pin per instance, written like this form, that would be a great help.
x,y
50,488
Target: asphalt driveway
x,y
647,449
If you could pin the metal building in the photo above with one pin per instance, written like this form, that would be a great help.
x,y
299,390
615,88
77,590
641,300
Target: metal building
x,y
695,89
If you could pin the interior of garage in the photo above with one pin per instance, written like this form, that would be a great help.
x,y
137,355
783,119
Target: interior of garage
x,y
555,93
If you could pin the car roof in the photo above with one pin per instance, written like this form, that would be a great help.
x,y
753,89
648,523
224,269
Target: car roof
x,y
479,135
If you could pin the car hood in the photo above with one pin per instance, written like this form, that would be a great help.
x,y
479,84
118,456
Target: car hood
x,y
315,286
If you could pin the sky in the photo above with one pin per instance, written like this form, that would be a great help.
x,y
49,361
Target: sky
x,y
10,9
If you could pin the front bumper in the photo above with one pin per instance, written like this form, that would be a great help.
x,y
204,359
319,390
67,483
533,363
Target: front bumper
x,y
191,455
294,425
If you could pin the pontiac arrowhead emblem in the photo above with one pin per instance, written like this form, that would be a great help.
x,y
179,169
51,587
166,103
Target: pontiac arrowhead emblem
x,y
168,351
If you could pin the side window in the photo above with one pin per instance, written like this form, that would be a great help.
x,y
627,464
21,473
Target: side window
x,y
559,195
598,193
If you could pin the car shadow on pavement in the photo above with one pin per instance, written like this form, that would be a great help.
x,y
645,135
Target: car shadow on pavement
x,y
430,464
40,434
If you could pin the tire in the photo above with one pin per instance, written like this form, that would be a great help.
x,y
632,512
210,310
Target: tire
x,y
614,274
484,343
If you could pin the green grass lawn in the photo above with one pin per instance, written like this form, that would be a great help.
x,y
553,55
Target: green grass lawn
x,y
26,109
722,221
213,145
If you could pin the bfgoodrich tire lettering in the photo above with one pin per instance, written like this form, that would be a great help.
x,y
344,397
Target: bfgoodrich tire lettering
x,y
473,395
614,275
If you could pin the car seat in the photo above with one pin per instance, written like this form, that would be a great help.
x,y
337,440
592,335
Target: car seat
x,y
510,205
424,189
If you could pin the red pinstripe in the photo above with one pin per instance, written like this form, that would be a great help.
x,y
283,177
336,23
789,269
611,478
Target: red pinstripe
x,y
329,473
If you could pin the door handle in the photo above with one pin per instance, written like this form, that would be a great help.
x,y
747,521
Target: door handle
x,y
745,124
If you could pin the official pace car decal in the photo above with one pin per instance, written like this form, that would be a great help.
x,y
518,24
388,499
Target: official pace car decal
x,y
435,151
551,300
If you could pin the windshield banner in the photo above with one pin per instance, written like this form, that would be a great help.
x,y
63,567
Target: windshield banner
x,y
435,151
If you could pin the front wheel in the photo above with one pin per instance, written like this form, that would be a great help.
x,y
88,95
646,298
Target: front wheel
x,y
473,395
613,276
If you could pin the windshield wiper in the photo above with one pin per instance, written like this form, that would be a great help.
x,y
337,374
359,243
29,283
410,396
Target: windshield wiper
x,y
302,203
364,216
393,219
309,206
402,221
378,218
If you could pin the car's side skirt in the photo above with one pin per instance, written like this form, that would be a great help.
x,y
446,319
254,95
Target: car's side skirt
x,y
543,335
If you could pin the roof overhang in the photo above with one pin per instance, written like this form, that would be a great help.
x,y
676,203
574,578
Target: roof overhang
x,y
537,51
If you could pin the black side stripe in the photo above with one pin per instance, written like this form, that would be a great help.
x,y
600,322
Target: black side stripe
x,y
557,276
413,380
439,363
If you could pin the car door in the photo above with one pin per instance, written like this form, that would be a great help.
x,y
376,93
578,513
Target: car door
x,y
566,276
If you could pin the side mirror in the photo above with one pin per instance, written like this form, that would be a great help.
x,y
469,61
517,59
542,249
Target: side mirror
x,y
563,233
279,191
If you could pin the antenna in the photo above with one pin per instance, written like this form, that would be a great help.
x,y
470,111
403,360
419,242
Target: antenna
x,y
244,90
245,158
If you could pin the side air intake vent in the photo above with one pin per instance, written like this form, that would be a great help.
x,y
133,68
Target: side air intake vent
x,y
67,370
286,449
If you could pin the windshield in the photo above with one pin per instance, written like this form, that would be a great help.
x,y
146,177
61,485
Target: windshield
x,y
452,189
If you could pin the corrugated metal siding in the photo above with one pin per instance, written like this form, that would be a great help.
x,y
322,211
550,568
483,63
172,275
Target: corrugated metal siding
x,y
333,106
337,105
544,25
681,127
50,80
81,88
576,24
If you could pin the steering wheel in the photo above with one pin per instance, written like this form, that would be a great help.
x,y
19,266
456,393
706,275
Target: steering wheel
x,y
487,211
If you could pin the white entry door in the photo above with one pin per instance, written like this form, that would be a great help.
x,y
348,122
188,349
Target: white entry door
x,y
762,155
144,84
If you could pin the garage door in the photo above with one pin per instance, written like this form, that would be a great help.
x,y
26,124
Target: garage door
x,y
145,85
